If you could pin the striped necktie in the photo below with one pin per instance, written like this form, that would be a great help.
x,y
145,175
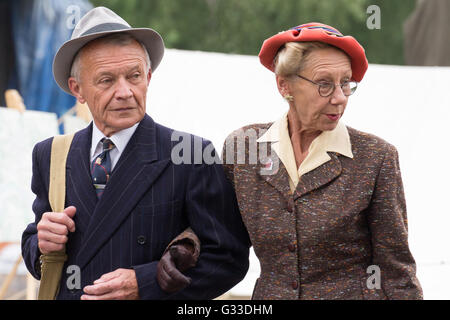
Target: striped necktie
x,y
101,167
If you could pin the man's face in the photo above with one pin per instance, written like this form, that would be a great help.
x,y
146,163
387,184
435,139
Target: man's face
x,y
113,80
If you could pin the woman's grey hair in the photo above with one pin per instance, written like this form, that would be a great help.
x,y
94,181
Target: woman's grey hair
x,y
121,39
293,56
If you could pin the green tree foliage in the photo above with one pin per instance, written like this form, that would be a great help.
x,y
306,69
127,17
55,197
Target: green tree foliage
x,y
240,26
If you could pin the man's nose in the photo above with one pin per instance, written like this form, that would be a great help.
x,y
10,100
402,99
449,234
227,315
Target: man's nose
x,y
123,89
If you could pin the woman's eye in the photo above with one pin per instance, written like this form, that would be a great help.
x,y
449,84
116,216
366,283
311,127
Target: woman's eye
x,y
105,80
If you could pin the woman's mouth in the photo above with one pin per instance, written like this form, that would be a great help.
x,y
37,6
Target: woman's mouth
x,y
333,117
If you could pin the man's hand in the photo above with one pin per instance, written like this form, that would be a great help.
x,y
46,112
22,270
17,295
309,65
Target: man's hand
x,y
54,228
120,284
178,258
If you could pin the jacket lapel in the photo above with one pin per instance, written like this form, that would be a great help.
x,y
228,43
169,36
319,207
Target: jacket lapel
x,y
318,177
273,171
308,182
136,170
79,189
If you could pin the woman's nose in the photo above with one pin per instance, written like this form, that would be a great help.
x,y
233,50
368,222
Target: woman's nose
x,y
338,96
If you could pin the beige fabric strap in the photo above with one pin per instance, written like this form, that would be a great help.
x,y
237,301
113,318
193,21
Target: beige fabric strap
x,y
52,263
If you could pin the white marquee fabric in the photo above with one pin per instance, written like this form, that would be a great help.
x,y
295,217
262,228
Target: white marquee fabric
x,y
18,134
211,94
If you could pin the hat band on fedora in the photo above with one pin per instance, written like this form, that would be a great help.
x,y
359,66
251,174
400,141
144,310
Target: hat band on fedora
x,y
105,27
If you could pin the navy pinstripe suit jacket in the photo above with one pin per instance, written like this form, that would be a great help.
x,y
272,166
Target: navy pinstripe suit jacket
x,y
147,202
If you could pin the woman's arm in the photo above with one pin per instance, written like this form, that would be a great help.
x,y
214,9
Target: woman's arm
x,y
388,225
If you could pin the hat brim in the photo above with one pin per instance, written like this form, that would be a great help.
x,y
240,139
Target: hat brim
x,y
348,44
63,60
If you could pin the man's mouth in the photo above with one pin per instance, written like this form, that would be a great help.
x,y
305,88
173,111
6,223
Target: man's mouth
x,y
122,109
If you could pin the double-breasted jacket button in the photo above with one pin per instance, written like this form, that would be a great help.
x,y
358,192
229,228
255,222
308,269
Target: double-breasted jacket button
x,y
141,239
294,284
291,247
290,207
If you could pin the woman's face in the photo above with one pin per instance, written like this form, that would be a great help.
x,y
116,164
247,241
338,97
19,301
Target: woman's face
x,y
315,112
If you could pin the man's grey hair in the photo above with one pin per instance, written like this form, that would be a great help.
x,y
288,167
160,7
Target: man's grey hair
x,y
121,39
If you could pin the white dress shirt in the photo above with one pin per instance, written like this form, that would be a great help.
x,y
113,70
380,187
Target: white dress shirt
x,y
120,140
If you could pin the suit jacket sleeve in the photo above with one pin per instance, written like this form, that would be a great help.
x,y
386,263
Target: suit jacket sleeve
x,y
387,221
213,214
187,236
39,186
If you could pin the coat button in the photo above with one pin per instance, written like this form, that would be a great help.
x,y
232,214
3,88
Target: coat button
x,y
290,208
141,239
291,247
294,284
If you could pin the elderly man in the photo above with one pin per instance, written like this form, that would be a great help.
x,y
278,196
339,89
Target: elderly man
x,y
125,198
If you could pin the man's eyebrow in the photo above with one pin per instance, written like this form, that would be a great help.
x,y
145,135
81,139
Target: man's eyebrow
x,y
104,73
110,73
136,67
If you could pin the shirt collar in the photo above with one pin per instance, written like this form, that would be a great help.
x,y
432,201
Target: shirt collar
x,y
120,138
278,135
336,140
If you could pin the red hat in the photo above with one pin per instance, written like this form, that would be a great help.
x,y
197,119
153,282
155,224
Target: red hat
x,y
316,32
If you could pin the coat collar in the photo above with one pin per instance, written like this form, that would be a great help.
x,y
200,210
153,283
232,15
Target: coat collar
x,y
336,140
120,139
310,181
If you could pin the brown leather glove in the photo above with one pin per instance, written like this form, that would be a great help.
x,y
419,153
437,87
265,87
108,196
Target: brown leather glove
x,y
178,258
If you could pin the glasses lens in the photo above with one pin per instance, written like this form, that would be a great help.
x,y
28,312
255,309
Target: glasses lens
x,y
325,89
349,88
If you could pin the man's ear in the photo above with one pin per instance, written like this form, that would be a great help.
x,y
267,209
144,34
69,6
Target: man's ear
x,y
283,85
75,88
149,76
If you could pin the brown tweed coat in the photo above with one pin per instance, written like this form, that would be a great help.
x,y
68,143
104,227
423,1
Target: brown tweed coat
x,y
343,217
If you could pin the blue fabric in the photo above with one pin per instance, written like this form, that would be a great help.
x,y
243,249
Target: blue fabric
x,y
147,202
101,167
39,28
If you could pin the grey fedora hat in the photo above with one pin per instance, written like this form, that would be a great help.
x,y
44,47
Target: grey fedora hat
x,y
98,23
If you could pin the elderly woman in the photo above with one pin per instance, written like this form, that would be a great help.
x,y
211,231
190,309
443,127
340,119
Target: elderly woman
x,y
326,211
331,222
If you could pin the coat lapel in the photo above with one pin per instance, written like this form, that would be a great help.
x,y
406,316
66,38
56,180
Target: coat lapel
x,y
79,189
273,171
136,170
308,182
318,177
